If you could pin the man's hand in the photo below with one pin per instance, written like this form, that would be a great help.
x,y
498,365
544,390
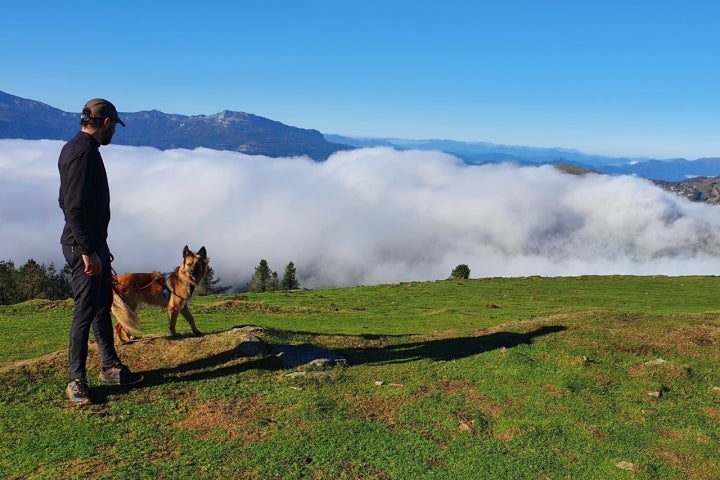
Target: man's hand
x,y
93,266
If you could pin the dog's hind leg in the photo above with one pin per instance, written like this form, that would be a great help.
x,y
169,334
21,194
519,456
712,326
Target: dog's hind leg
x,y
121,334
188,316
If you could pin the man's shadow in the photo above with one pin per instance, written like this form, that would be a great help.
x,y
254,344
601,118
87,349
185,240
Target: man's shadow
x,y
222,364
444,349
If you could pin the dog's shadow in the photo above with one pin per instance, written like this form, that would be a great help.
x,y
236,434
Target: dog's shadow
x,y
213,366
230,362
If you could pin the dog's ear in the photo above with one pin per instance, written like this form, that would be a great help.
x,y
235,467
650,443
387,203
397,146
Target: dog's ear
x,y
186,251
202,252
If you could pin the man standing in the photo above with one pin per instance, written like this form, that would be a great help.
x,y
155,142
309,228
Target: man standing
x,y
85,201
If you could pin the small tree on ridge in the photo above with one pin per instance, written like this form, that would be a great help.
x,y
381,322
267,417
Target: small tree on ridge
x,y
461,272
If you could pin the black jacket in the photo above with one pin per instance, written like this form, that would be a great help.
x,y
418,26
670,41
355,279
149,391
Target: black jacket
x,y
84,194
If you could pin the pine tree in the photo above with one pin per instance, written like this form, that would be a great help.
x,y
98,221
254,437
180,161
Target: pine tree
x,y
289,280
32,281
262,278
209,284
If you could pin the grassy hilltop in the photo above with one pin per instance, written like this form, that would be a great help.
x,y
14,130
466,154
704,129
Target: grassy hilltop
x,y
606,377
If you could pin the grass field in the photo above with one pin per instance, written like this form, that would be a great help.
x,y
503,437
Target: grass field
x,y
602,377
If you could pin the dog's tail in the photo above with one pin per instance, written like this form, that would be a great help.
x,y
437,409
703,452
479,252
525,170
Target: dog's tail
x,y
125,314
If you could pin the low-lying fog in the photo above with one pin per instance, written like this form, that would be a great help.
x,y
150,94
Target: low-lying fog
x,y
367,216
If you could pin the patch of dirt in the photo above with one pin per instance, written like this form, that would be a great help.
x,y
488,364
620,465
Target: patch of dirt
x,y
701,335
85,467
378,409
597,432
505,435
244,419
554,390
672,434
387,409
489,406
661,369
699,340
635,349
692,464
695,436
694,340
713,413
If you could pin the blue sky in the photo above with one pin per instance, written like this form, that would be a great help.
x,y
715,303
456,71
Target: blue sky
x,y
617,78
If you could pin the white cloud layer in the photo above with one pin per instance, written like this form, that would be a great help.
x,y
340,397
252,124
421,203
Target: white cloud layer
x,y
367,216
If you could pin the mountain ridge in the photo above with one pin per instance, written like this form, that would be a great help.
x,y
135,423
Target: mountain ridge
x,y
255,135
479,153
226,130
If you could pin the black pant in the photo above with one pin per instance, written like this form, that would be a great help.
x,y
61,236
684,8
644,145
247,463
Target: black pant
x,y
93,299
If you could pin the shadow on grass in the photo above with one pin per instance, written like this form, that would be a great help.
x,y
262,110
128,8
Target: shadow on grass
x,y
445,349
224,363
214,366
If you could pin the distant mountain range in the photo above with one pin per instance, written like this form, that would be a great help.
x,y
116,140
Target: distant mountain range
x,y
254,135
478,153
235,131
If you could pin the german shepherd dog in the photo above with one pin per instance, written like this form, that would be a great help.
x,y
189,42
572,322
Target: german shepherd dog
x,y
172,291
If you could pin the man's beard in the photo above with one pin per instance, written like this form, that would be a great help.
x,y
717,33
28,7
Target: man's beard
x,y
106,136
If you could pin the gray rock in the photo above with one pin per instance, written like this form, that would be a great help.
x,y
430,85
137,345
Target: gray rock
x,y
249,344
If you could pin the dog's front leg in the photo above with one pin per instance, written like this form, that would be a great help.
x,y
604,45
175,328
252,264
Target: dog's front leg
x,y
188,316
172,315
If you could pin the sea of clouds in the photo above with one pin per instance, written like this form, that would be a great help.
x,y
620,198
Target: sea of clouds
x,y
363,217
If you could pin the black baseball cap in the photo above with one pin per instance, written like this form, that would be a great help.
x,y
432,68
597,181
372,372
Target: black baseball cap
x,y
101,108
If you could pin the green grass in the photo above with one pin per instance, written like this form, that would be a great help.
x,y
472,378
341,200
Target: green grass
x,y
489,378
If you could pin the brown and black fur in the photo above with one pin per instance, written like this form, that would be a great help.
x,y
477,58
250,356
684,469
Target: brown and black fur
x,y
172,291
